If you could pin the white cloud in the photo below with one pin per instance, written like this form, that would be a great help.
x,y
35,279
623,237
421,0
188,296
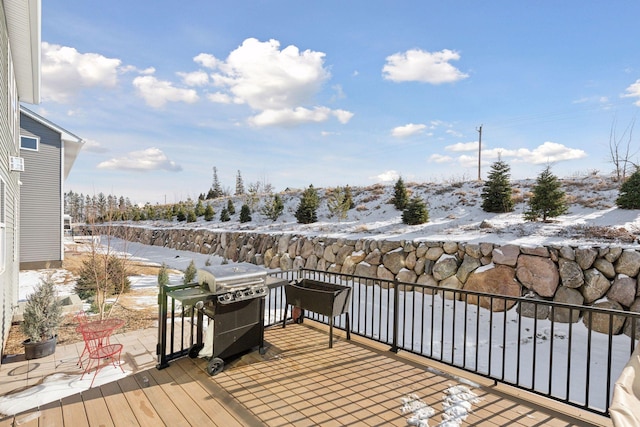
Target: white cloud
x,y
295,116
196,78
422,66
280,84
219,98
439,158
157,93
65,72
463,146
387,176
407,130
93,146
633,91
142,161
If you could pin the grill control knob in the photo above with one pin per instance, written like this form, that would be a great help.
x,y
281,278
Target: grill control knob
x,y
238,294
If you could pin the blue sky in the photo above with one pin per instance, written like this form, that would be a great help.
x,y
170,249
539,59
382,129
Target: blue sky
x,y
334,92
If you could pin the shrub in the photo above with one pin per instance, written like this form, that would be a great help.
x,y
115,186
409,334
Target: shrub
x,y
245,213
106,274
190,273
273,208
230,208
224,215
629,196
209,213
416,212
163,275
306,212
42,312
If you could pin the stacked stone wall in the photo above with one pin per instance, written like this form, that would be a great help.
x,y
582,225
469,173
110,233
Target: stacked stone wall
x,y
605,277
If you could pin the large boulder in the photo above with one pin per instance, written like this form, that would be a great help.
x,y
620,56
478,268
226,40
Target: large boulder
x,y
629,328
539,274
445,267
605,267
367,270
506,255
595,285
628,263
571,274
394,260
534,310
493,279
585,257
567,296
623,290
469,263
602,322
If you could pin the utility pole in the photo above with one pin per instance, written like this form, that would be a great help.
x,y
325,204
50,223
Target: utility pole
x,y
479,152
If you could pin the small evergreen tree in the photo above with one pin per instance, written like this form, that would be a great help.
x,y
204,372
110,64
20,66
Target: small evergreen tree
x,y
496,193
338,203
209,213
190,273
224,215
199,209
400,196
306,212
273,208
416,212
216,188
349,197
239,185
181,215
245,213
230,208
629,195
191,216
548,200
163,275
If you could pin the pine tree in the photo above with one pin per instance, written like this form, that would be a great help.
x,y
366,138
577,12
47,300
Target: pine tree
x,y
181,215
230,208
548,200
273,208
338,203
190,273
349,197
191,216
216,188
245,213
496,194
306,212
224,215
629,195
239,185
400,197
416,212
209,213
199,209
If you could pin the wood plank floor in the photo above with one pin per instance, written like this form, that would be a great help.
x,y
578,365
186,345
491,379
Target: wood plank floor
x,y
298,382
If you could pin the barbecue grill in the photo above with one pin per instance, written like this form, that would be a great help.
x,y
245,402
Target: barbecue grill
x,y
235,308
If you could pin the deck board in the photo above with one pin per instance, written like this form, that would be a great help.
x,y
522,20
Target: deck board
x,y
298,382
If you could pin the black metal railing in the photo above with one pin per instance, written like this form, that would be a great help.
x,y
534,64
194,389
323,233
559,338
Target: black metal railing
x,y
488,335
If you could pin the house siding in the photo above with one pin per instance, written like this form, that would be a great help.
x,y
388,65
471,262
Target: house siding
x,y
9,125
40,198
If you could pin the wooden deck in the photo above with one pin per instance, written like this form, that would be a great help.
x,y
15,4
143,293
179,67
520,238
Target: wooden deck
x,y
298,382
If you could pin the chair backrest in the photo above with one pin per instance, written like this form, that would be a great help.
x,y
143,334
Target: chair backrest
x,y
93,337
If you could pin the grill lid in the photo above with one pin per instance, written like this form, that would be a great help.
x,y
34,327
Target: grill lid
x,y
223,277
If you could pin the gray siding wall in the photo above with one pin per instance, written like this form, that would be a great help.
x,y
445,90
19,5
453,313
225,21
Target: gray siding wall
x,y
8,147
41,198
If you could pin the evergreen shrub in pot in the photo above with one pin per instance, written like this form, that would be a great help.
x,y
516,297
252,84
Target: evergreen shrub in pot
x,y
42,316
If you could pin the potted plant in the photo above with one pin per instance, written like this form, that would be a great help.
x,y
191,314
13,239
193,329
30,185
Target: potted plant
x,y
42,316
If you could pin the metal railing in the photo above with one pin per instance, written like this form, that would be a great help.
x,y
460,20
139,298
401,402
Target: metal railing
x,y
567,362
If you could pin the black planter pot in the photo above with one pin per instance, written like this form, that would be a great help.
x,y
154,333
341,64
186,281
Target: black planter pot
x,y
36,350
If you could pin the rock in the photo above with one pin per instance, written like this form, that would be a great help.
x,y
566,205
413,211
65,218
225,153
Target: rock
x,y
410,260
498,280
628,263
394,261
283,243
451,282
485,224
567,296
450,247
568,253
605,267
407,276
298,263
286,263
601,322
486,248
421,250
445,267
374,257
389,245
312,262
473,250
328,254
349,266
595,285
613,254
383,273
419,267
366,270
571,274
623,290
585,257
434,254
537,251
469,263
344,252
539,274
533,310
629,329
307,249
426,279
506,255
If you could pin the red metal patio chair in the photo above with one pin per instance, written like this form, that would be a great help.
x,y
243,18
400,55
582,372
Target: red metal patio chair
x,y
81,318
99,348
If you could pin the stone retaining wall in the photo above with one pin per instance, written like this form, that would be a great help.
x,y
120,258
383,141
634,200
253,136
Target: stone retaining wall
x,y
574,275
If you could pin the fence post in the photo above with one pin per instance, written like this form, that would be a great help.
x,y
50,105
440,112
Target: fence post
x,y
396,314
